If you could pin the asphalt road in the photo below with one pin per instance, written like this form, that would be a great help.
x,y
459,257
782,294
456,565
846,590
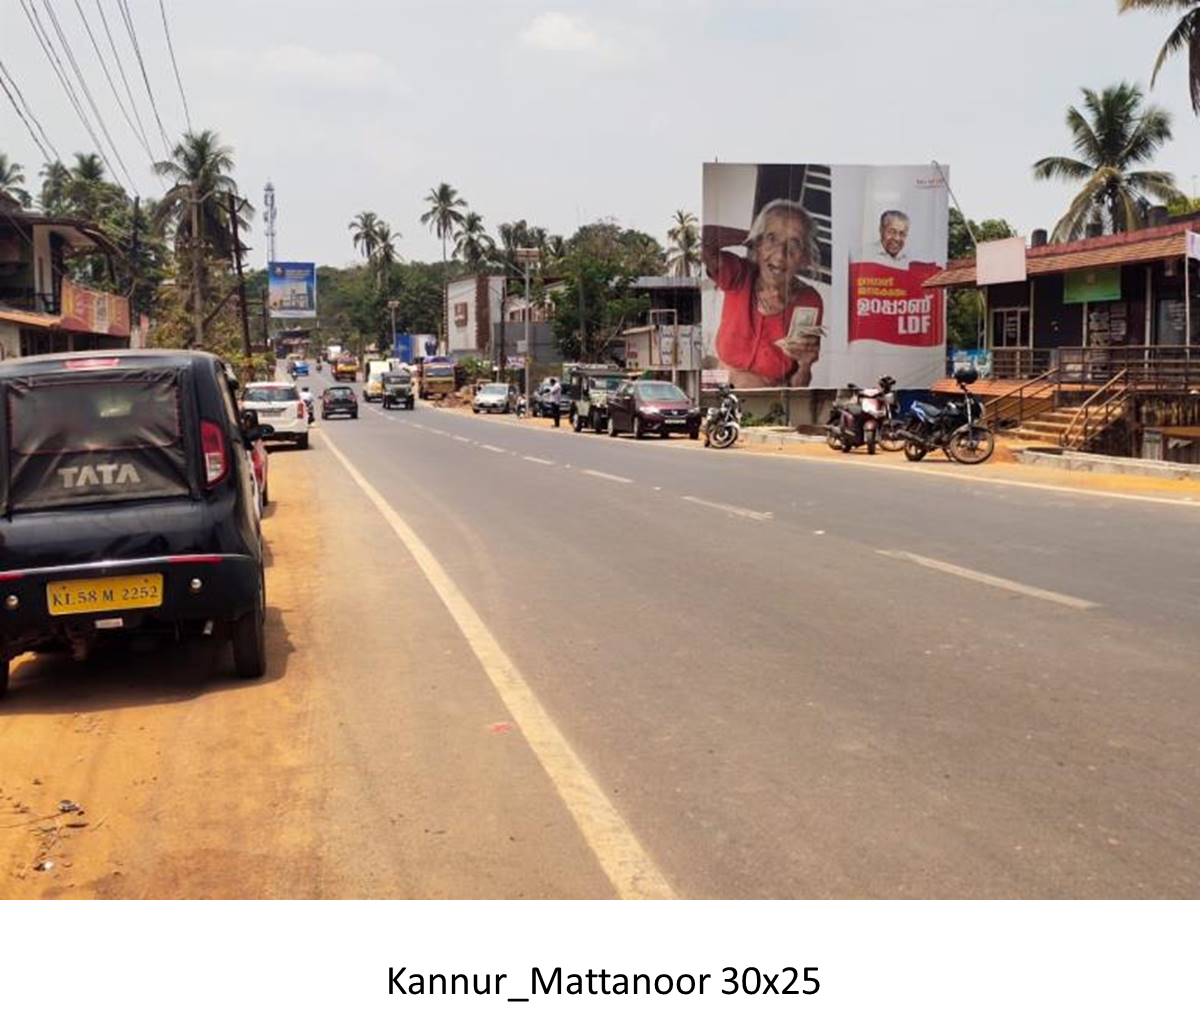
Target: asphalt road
x,y
779,708
508,662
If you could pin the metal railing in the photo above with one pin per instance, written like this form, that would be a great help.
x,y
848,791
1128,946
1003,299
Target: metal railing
x,y
1008,409
1020,362
1098,411
28,299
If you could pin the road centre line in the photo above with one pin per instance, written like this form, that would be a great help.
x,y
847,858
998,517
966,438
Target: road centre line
x,y
496,450
538,461
630,869
461,439
731,509
992,581
606,475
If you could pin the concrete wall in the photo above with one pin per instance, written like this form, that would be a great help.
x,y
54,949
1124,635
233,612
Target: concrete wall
x,y
10,340
474,306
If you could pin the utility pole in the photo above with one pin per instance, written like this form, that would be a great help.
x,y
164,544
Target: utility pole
x,y
527,256
198,323
134,267
393,306
242,284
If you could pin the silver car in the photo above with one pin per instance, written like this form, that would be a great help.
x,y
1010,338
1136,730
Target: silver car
x,y
497,397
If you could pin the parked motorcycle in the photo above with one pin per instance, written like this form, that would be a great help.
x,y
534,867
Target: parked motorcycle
x,y
954,428
858,420
890,433
520,406
721,427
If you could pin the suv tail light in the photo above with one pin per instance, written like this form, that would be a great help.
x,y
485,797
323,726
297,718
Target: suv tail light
x,y
213,446
301,409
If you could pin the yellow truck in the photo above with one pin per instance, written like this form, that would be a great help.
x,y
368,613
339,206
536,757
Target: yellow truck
x,y
436,377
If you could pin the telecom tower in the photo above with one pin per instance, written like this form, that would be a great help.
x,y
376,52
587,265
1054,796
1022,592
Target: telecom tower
x,y
269,219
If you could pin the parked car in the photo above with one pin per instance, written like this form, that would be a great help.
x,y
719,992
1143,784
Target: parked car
x,y
129,504
280,406
497,397
397,390
653,406
339,400
590,391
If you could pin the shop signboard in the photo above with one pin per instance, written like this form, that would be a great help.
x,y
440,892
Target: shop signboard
x,y
1084,285
979,360
92,311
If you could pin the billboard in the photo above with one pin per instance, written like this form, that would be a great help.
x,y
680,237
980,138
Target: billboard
x,y
91,311
292,289
815,273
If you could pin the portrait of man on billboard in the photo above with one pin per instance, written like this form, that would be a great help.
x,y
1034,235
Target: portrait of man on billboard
x,y
891,246
769,271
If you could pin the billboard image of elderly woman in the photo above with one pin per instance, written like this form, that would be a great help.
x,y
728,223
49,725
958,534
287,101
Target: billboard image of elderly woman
x,y
766,247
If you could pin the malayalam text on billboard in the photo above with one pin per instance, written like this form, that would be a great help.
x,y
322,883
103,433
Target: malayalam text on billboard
x,y
815,273
293,289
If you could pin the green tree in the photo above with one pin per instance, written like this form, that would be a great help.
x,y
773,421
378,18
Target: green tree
x,y
364,232
12,180
56,180
1115,136
1183,206
443,215
594,303
473,243
685,252
964,312
384,252
1184,36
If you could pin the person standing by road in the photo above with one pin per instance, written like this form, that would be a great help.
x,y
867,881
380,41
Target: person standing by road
x,y
554,400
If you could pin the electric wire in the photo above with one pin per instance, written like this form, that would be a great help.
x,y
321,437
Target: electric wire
x,y
4,72
58,29
172,51
20,114
31,15
128,18
124,81
104,67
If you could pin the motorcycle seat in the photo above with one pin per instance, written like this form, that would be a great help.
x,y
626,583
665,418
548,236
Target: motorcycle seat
x,y
928,410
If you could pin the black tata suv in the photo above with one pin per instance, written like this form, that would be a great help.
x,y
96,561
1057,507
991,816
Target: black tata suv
x,y
127,503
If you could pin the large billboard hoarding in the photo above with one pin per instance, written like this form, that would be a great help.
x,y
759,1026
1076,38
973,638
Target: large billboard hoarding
x,y
815,273
293,289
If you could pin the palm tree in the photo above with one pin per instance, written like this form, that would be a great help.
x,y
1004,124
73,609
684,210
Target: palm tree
x,y
12,176
444,213
200,169
1185,35
384,251
364,230
56,181
473,244
1116,135
685,254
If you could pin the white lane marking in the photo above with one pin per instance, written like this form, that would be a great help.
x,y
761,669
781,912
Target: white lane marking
x,y
630,869
992,581
496,450
731,509
461,439
605,475
440,432
538,461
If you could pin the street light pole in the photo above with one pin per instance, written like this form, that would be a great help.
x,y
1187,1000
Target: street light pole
x,y
527,256
393,305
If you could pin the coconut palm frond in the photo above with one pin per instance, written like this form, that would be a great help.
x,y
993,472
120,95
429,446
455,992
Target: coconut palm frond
x,y
1062,168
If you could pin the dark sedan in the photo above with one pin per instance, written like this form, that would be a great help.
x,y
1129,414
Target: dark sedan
x,y
339,400
652,406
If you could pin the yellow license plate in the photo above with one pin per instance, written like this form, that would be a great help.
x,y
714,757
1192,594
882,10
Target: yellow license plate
x,y
80,596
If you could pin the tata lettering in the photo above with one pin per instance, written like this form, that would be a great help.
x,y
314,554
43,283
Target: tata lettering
x,y
79,476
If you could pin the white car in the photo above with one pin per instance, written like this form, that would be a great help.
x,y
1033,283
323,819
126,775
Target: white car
x,y
280,406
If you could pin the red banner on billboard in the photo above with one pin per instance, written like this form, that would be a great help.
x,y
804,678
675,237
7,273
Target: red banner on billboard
x,y
890,305
91,311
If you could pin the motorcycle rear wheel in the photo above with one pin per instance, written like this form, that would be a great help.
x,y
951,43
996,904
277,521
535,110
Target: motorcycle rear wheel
x,y
912,451
890,437
834,439
971,445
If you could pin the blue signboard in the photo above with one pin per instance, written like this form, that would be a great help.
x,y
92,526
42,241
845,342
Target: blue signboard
x,y
403,347
293,289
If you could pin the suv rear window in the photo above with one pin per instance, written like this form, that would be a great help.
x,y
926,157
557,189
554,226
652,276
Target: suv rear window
x,y
81,441
270,394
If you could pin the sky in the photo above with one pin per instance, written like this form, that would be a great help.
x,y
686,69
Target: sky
x,y
562,113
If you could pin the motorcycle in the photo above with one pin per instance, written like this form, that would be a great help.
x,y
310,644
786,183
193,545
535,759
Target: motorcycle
x,y
857,421
721,427
308,398
520,406
890,433
954,428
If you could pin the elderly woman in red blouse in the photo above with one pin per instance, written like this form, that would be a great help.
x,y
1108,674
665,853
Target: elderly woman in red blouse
x,y
761,295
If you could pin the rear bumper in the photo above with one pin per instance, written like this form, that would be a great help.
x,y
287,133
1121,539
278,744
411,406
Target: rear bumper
x,y
229,586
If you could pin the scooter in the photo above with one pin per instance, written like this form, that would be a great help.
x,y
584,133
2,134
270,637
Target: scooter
x,y
520,406
721,427
856,421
